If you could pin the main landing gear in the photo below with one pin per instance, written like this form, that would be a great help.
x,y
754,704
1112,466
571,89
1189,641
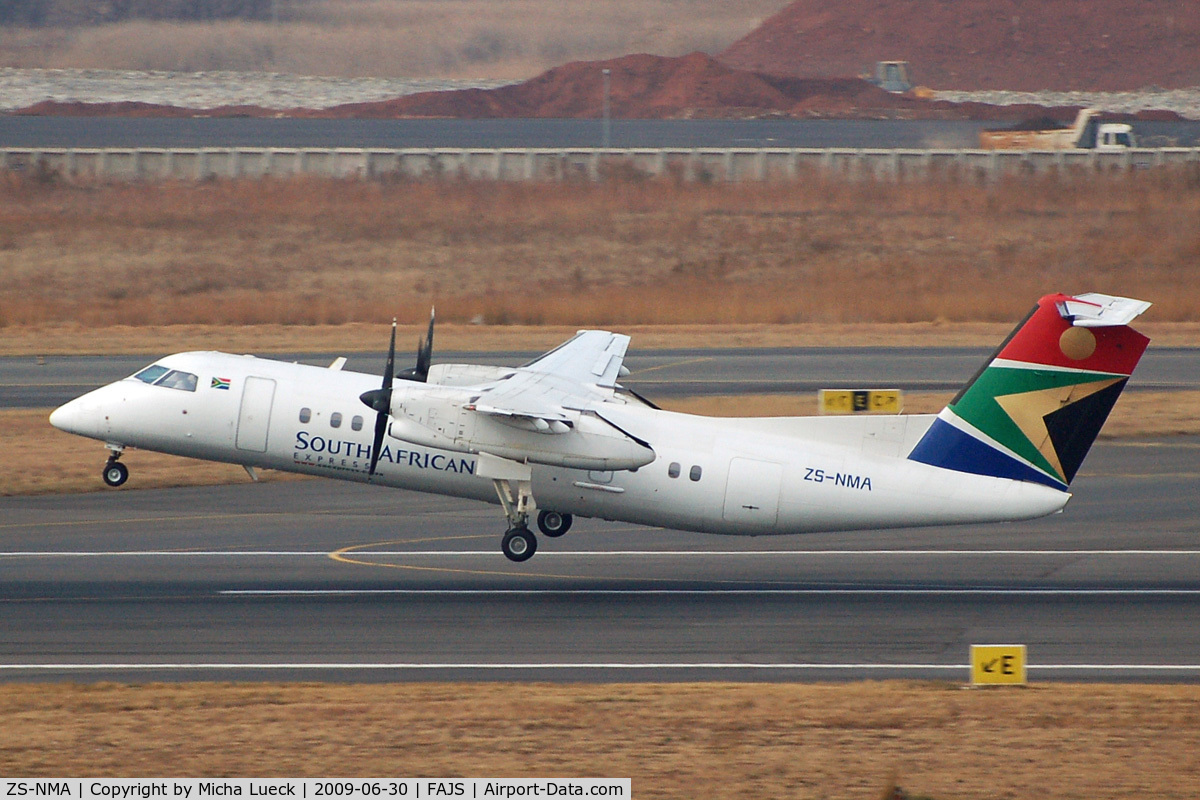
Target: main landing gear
x,y
554,524
115,473
519,543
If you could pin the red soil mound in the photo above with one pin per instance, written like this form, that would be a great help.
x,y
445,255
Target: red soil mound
x,y
656,87
1104,45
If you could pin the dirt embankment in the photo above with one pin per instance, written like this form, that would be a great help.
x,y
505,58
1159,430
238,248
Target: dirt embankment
x,y
640,87
1099,45
652,87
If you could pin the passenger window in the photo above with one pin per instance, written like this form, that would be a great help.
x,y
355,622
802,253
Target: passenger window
x,y
695,473
356,422
305,414
151,374
335,419
184,381
673,470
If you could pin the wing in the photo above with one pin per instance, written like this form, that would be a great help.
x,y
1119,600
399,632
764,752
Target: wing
x,y
574,376
590,357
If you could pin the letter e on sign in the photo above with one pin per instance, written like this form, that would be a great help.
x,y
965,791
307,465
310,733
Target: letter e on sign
x,y
998,664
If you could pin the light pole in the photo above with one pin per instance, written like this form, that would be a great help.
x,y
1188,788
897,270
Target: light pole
x,y
606,130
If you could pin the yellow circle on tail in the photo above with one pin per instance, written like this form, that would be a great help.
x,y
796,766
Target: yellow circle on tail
x,y
1077,343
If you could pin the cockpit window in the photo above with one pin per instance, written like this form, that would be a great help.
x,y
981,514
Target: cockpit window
x,y
159,375
151,374
175,379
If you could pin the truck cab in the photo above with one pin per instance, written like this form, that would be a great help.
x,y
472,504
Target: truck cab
x,y
1115,136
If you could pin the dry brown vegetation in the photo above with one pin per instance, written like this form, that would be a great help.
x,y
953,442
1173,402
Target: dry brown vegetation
x,y
403,38
686,740
621,252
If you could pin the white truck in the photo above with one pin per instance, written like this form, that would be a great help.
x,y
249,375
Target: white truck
x,y
1085,132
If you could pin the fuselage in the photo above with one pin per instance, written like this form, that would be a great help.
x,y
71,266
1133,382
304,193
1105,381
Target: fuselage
x,y
747,476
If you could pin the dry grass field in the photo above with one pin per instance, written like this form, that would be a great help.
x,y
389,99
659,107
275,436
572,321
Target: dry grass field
x,y
401,38
623,252
709,741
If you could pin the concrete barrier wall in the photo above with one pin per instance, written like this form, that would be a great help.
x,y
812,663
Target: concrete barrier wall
x,y
688,164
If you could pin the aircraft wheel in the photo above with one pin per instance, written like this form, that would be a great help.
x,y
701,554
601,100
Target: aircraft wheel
x,y
554,524
115,473
519,544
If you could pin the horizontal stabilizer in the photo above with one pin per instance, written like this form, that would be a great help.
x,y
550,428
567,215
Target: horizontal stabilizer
x,y
1094,310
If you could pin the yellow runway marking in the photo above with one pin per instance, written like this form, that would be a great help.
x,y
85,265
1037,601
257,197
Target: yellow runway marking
x,y
341,556
672,364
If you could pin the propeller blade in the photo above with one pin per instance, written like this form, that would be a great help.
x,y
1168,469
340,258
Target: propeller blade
x,y
381,421
389,369
425,353
420,372
380,400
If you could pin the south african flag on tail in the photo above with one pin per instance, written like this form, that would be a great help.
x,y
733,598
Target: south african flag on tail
x,y
1034,409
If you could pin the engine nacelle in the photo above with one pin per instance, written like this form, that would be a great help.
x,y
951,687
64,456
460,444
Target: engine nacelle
x,y
440,419
466,374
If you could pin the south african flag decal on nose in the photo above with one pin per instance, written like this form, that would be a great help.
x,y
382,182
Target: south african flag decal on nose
x,y
220,383
1035,408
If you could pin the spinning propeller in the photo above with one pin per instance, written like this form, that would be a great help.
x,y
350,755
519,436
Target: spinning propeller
x,y
380,400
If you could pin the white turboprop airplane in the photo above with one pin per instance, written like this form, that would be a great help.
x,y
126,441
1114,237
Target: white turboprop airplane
x,y
559,436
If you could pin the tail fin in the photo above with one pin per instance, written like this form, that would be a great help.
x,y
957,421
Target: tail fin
x,y
1034,409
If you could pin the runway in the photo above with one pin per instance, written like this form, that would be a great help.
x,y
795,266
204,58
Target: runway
x,y
27,382
318,580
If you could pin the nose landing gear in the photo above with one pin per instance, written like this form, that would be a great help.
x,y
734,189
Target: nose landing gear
x,y
115,473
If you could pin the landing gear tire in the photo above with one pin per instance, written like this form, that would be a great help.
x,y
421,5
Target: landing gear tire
x,y
115,473
519,544
554,524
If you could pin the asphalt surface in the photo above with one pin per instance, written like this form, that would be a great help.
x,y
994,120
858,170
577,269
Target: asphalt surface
x,y
22,131
28,382
320,580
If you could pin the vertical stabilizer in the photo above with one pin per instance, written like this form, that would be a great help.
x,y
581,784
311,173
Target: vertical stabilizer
x,y
1034,409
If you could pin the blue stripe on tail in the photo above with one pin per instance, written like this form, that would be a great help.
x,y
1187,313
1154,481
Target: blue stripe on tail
x,y
950,448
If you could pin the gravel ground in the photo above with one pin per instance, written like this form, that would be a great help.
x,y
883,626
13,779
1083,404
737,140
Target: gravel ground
x,y
24,87
1184,101
20,88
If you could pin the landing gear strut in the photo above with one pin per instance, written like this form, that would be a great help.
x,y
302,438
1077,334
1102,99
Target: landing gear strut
x,y
519,543
115,473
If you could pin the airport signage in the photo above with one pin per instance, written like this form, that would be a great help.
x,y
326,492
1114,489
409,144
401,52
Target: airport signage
x,y
998,665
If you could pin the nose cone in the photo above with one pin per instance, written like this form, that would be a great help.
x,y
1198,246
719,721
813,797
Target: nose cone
x,y
80,416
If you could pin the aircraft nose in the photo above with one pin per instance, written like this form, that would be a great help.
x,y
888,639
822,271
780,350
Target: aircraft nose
x,y
74,417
